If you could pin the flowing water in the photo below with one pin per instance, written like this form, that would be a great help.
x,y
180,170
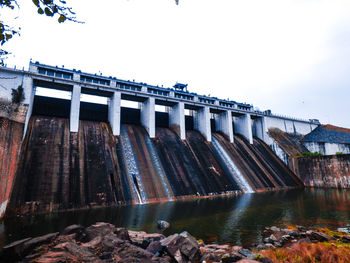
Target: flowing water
x,y
238,220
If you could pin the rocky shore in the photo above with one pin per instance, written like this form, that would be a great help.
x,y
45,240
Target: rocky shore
x,y
104,242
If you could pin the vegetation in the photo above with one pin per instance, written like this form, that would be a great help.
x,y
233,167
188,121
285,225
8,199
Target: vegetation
x,y
17,95
338,153
307,154
51,8
329,252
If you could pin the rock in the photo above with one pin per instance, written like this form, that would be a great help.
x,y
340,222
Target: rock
x,y
122,233
185,244
68,252
162,225
99,229
261,247
130,253
346,239
232,257
319,236
14,250
277,244
72,229
155,247
304,240
265,260
142,239
273,238
294,234
21,248
269,246
210,256
275,229
344,229
301,228
190,247
246,253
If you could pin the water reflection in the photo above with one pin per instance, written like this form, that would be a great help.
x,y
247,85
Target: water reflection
x,y
237,220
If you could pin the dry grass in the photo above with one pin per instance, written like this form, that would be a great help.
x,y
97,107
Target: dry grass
x,y
327,252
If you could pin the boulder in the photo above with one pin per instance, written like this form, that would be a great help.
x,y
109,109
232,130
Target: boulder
x,y
72,229
122,233
162,225
14,250
155,247
232,257
99,229
319,236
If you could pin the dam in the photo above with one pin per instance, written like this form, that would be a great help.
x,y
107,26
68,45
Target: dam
x,y
67,154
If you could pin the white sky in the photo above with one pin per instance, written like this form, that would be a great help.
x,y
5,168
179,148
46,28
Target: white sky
x,y
290,56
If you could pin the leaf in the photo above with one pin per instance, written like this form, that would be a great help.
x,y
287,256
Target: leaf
x,y
48,12
36,2
40,11
55,9
62,18
47,2
8,36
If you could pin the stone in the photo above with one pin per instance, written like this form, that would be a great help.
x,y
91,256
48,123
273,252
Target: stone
x,y
346,239
246,253
273,238
72,229
162,225
304,240
265,260
210,256
99,229
14,250
155,247
130,253
319,236
269,246
232,257
122,233
190,247
275,229
37,241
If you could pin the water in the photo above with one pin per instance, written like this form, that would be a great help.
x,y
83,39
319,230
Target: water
x,y
236,173
132,168
237,220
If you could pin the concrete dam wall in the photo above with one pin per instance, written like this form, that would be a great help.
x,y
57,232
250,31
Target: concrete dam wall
x,y
59,170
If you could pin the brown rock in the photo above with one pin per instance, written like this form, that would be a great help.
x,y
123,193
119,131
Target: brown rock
x,y
346,239
99,229
247,261
122,233
319,236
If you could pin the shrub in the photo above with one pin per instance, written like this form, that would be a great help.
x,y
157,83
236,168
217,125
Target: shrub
x,y
338,153
17,95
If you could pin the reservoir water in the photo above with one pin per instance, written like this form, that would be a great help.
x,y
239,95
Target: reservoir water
x,y
238,219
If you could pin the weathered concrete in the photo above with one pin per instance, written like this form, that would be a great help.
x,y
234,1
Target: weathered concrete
x,y
243,126
223,123
148,116
202,122
177,119
114,112
259,128
75,108
324,171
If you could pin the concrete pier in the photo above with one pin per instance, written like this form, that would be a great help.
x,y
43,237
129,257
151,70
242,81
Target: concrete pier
x,y
243,126
177,119
259,127
114,112
28,87
75,109
223,123
148,116
202,122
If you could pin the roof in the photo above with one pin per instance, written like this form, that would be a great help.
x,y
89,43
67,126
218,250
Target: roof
x,y
329,134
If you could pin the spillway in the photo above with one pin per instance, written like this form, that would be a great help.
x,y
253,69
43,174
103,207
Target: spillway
x,y
59,170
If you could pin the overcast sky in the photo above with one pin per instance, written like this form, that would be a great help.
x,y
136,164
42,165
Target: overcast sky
x,y
290,56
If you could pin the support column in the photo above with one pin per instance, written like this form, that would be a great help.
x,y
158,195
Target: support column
x,y
148,116
177,119
202,123
114,112
260,128
29,92
243,126
224,124
75,109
